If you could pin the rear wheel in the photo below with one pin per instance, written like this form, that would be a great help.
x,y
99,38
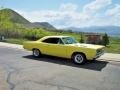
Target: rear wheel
x,y
36,53
79,58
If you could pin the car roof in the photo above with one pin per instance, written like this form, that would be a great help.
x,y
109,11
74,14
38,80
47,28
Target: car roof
x,y
59,36
56,36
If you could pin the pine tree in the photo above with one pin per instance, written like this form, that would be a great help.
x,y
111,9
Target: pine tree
x,y
105,39
82,38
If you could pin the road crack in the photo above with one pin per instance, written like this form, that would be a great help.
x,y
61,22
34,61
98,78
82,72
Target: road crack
x,y
11,85
8,80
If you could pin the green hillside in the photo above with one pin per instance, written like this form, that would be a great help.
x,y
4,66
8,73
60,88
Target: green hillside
x,y
45,25
12,16
13,25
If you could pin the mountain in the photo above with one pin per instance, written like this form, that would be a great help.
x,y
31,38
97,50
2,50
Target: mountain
x,y
10,15
110,30
43,25
13,16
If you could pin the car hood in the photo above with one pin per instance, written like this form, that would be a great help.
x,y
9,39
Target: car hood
x,y
88,46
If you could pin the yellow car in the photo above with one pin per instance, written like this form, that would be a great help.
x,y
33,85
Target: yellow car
x,y
66,47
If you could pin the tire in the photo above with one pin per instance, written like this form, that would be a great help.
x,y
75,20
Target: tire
x,y
79,58
36,53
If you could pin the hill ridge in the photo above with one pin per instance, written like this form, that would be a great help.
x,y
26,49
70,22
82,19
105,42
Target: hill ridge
x,y
14,17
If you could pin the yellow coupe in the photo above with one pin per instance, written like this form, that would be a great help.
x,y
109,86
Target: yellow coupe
x,y
66,47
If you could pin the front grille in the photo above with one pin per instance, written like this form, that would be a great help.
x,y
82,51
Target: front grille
x,y
99,51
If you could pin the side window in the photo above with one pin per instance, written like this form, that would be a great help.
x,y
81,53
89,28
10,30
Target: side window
x,y
60,41
51,40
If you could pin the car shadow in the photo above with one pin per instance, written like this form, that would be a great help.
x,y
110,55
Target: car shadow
x,y
94,65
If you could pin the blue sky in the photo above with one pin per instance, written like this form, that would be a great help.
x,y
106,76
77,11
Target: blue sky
x,y
40,4
68,13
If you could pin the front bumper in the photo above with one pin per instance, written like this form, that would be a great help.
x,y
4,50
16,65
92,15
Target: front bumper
x,y
100,53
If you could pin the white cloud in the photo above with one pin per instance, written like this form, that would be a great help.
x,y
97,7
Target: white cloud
x,y
114,11
69,7
113,15
68,16
96,5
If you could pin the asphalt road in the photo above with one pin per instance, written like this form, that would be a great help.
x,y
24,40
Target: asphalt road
x,y
23,72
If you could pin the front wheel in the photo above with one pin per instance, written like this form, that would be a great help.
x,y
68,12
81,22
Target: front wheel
x,y
36,53
79,58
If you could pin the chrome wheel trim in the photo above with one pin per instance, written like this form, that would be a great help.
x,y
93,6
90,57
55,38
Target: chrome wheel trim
x,y
36,52
78,58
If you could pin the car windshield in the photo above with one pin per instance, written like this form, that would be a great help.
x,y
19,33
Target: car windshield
x,y
69,40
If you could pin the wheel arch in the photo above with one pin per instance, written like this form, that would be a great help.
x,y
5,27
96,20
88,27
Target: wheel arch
x,y
37,49
78,53
34,49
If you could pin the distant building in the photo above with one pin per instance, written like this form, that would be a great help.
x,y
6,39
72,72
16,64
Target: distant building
x,y
93,38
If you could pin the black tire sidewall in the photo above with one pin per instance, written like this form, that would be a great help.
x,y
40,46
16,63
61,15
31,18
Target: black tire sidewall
x,y
38,51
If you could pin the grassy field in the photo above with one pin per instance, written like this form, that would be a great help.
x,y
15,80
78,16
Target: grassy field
x,y
113,47
15,41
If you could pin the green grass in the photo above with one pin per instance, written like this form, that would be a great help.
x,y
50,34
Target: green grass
x,y
15,41
114,46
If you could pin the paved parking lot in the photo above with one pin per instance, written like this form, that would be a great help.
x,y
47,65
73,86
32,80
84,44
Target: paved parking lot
x,y
20,71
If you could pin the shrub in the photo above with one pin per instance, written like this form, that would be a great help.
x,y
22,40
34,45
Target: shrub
x,y
105,40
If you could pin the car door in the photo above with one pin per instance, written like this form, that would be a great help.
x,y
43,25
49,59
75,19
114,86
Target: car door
x,y
55,47
59,50
45,46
